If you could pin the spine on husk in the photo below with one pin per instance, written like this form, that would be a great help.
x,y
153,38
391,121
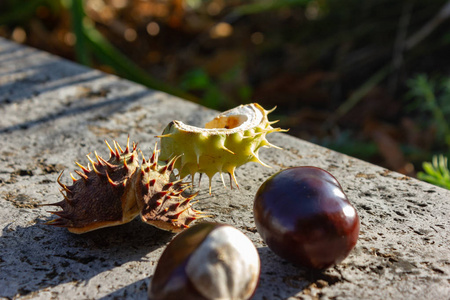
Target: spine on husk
x,y
114,191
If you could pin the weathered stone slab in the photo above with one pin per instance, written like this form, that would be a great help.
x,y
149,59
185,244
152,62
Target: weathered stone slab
x,y
54,112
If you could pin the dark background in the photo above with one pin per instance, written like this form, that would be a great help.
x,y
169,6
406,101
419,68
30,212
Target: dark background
x,y
367,78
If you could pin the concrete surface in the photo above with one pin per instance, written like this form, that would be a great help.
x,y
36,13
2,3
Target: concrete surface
x,y
54,112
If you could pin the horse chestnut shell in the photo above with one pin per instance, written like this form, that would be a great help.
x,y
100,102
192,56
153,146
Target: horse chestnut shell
x,y
304,216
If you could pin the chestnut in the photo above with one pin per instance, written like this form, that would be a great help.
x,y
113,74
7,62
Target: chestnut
x,y
304,216
206,261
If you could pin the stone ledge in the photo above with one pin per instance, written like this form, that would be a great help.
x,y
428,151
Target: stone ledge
x,y
54,112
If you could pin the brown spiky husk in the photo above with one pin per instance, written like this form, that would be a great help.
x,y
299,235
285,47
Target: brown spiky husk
x,y
114,192
161,198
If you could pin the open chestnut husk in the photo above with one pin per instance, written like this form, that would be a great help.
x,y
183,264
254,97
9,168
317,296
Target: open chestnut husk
x,y
207,261
304,216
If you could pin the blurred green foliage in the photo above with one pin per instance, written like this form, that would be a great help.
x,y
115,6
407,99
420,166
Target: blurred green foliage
x,y
198,80
431,97
436,172
17,12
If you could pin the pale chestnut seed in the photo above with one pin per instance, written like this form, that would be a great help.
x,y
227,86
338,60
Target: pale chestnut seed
x,y
225,266
208,261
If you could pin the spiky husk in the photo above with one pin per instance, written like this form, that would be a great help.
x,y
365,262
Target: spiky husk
x,y
114,192
230,140
161,197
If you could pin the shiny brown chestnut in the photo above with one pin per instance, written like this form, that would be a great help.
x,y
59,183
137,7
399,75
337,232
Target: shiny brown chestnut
x,y
304,216
205,262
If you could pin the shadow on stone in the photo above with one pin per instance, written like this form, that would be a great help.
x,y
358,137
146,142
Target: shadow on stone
x,y
40,256
137,290
285,280
107,105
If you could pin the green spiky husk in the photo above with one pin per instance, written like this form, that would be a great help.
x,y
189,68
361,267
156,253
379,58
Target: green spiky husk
x,y
221,147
